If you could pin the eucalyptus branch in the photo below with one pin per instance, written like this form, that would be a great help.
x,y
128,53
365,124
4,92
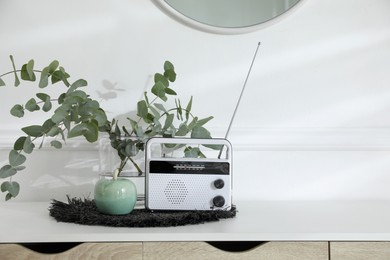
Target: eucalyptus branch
x,y
76,113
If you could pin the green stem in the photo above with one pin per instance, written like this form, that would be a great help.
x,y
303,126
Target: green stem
x,y
14,71
136,166
51,100
123,164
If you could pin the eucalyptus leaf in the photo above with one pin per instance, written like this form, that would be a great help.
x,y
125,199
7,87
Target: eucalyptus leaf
x,y
88,108
66,123
149,118
170,91
56,144
65,76
146,98
30,69
27,71
59,115
47,125
183,130
192,124
12,187
16,158
74,115
89,130
160,78
171,75
47,105
56,76
159,90
100,117
168,121
139,132
34,130
168,65
23,73
131,149
77,84
200,132
71,100
43,96
20,168
169,71
2,83
117,130
179,109
78,130
78,93
53,66
8,196
7,171
155,112
203,121
142,109
17,111
28,145
160,106
188,108
44,79
55,130
17,81
18,145
31,105
61,98
133,124
59,75
191,152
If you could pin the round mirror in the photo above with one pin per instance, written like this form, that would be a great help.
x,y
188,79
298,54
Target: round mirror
x,y
226,16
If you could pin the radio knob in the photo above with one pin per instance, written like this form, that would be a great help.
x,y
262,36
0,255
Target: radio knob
x,y
219,201
219,184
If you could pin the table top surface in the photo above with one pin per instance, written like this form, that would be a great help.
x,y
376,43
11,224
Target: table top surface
x,y
28,222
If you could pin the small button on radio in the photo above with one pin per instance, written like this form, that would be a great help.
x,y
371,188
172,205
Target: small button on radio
x,y
219,184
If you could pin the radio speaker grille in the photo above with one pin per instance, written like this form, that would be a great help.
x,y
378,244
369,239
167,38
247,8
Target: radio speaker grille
x,y
176,191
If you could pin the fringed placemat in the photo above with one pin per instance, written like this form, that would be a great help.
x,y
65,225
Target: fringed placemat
x,y
84,211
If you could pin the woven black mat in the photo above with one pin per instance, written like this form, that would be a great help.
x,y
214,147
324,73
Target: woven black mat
x,y
84,211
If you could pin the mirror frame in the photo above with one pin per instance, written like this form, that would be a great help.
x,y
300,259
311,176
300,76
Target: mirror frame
x,y
176,15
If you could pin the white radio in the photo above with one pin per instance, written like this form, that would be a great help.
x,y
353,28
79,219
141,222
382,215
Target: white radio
x,y
184,183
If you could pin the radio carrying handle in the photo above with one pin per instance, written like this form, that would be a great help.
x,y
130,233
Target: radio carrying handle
x,y
191,141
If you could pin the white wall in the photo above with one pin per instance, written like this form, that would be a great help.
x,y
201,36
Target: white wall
x,y
313,123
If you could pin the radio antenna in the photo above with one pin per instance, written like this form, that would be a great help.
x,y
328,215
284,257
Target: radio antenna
x,y
242,91
239,98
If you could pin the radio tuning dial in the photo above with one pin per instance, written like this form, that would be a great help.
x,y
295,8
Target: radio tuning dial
x,y
219,184
219,201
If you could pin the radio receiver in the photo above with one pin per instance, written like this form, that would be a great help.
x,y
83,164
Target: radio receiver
x,y
187,183
177,183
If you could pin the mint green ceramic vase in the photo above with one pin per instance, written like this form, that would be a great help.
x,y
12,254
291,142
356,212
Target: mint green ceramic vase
x,y
115,196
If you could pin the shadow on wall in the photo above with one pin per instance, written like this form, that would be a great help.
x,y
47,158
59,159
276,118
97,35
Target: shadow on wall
x,y
110,90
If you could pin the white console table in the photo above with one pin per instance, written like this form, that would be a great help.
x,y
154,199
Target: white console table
x,y
255,221
298,230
